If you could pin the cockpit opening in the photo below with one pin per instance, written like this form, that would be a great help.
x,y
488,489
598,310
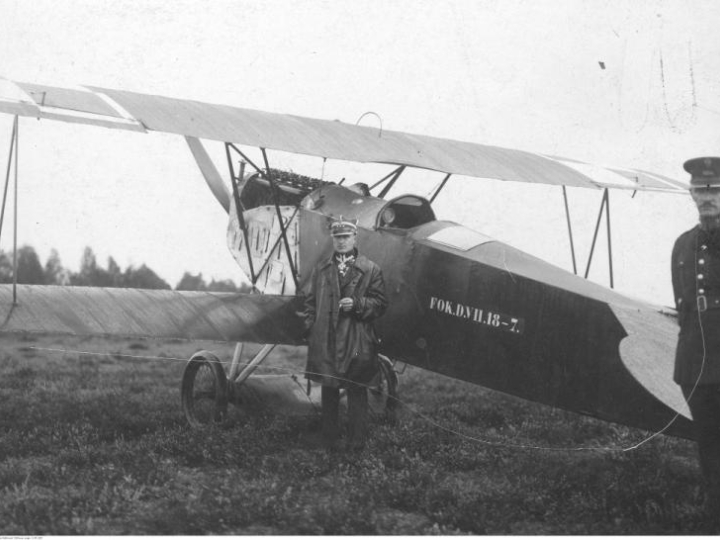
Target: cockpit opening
x,y
405,212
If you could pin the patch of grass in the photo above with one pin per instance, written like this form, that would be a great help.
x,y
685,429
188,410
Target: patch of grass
x,y
93,443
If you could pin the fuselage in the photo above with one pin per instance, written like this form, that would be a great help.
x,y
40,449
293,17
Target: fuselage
x,y
473,308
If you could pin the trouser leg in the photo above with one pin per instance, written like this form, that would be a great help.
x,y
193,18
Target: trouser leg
x,y
357,415
330,411
705,407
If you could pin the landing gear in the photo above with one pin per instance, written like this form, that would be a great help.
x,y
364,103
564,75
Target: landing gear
x,y
382,391
204,390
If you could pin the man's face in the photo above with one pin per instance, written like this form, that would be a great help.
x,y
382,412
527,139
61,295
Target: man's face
x,y
707,200
344,243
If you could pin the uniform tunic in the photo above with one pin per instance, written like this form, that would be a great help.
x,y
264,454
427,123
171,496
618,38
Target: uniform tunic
x,y
696,281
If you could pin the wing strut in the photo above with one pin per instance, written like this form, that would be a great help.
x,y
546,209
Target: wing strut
x,y
275,245
273,188
439,189
234,180
609,236
14,143
283,228
392,181
604,205
209,172
250,161
376,184
570,233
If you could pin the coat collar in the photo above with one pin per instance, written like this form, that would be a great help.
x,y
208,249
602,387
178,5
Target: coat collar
x,y
362,263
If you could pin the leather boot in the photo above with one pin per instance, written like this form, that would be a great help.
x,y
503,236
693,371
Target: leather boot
x,y
357,417
330,412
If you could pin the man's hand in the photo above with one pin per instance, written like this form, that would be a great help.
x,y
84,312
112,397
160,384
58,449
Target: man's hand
x,y
346,304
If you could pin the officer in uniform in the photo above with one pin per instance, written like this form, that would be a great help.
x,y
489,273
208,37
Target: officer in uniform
x,y
696,284
344,296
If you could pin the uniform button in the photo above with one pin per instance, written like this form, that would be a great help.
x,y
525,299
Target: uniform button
x,y
701,261
701,291
700,276
703,247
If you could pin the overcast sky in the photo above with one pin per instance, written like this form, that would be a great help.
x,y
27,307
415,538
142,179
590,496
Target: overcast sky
x,y
613,83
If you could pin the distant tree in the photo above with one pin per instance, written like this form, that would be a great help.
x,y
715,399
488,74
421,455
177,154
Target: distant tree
x,y
29,269
115,274
190,282
88,275
224,285
143,278
55,274
88,263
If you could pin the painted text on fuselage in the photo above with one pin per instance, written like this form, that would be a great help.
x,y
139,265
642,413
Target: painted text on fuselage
x,y
478,315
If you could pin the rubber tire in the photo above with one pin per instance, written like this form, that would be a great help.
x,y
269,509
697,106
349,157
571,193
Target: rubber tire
x,y
383,398
204,390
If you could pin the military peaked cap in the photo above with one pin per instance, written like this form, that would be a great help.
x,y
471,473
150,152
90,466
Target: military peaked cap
x,y
704,171
342,226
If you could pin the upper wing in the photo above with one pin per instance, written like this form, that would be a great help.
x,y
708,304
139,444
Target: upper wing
x,y
139,313
323,138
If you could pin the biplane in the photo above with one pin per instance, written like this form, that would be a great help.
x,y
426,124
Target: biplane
x,y
461,303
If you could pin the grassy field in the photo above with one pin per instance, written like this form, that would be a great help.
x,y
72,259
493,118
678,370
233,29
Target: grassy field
x,y
97,444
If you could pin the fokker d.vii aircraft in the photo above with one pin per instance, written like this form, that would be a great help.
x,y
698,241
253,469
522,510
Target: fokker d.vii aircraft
x,y
460,303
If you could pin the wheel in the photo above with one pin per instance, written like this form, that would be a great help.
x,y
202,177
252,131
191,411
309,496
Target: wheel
x,y
382,394
204,390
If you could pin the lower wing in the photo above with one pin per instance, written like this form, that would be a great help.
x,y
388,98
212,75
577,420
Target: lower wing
x,y
94,311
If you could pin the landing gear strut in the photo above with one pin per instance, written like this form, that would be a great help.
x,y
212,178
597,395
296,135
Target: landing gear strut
x,y
382,394
206,390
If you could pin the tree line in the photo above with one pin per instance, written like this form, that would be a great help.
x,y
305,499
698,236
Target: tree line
x,y
91,274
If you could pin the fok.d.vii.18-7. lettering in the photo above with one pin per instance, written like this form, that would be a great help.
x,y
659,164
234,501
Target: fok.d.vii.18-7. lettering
x,y
478,315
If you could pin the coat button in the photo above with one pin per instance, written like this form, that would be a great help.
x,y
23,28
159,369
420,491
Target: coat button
x,y
701,291
701,261
700,276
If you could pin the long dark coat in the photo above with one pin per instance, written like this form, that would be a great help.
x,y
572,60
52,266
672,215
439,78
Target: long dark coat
x,y
342,346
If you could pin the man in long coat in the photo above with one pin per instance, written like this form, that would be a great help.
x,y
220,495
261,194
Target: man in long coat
x,y
696,283
345,294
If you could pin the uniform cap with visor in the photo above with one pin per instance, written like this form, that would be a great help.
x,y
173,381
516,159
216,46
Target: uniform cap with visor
x,y
704,172
343,227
